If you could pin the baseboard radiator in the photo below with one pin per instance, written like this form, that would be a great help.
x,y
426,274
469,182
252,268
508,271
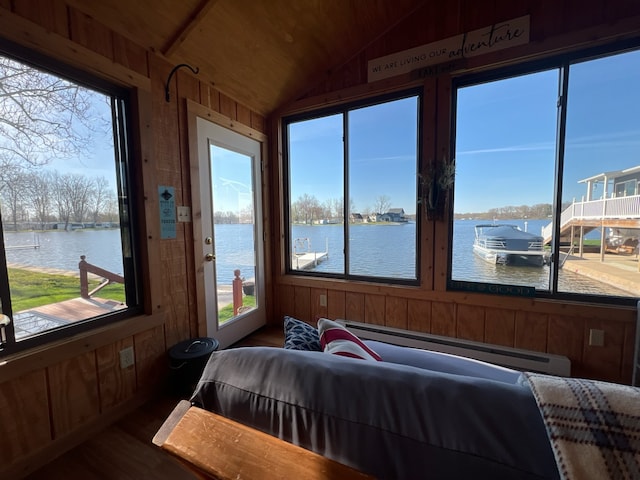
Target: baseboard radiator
x,y
518,359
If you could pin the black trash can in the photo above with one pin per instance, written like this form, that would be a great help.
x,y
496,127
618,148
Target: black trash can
x,y
188,359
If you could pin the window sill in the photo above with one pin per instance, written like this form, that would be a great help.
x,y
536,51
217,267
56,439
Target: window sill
x,y
18,364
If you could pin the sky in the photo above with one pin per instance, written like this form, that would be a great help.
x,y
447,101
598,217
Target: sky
x,y
231,178
382,151
99,159
506,133
504,151
505,141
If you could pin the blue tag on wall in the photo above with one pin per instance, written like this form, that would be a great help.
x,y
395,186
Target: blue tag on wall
x,y
167,201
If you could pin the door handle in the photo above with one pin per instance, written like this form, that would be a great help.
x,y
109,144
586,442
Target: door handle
x,y
209,257
4,322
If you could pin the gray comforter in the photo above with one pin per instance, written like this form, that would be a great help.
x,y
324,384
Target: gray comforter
x,y
386,419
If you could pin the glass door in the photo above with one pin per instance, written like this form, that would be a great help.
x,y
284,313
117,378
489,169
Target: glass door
x,y
230,230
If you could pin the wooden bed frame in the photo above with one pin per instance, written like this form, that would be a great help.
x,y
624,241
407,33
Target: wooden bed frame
x,y
223,449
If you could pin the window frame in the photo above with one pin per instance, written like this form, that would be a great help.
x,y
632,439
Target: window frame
x,y
344,109
126,166
561,62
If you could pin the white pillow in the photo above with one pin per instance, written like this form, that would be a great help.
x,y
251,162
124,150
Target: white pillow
x,y
336,339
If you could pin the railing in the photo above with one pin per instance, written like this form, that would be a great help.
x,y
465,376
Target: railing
x,y
619,207
494,244
86,268
237,292
240,287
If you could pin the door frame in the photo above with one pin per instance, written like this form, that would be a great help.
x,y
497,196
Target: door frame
x,y
195,111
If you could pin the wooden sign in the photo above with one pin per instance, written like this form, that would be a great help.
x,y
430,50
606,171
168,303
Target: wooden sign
x,y
491,288
472,44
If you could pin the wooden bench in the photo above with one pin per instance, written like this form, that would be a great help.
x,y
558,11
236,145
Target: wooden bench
x,y
223,449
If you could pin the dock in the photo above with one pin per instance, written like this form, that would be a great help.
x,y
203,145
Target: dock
x,y
304,261
303,256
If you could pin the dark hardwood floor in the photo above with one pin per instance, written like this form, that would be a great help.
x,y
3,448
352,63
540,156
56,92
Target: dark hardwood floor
x,y
124,450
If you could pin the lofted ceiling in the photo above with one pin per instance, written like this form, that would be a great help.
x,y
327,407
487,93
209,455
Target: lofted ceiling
x,y
262,53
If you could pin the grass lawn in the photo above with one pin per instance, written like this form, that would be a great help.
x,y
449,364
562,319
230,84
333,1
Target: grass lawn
x,y
226,313
31,289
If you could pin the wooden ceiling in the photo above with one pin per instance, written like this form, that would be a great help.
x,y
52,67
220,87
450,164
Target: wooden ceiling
x,y
262,53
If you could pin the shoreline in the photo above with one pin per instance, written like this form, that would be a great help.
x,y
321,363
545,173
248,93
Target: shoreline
x,y
52,271
619,271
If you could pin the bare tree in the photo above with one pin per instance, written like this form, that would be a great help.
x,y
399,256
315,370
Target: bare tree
x,y
246,214
382,204
13,195
337,208
38,192
100,197
43,116
62,197
111,209
327,208
80,194
220,217
352,206
307,207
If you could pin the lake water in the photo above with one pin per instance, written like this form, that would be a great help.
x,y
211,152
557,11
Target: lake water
x,y
469,267
377,250
61,250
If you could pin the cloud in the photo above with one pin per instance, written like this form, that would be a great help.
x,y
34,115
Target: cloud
x,y
605,140
508,149
394,158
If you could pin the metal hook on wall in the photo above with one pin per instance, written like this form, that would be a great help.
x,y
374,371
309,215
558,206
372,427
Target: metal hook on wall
x,y
167,96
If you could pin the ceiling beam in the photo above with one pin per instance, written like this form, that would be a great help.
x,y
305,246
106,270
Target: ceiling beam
x,y
188,26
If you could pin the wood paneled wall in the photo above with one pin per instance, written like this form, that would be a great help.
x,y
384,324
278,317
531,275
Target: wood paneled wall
x,y
53,398
541,325
558,328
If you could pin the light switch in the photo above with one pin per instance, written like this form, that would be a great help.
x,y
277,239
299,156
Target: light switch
x,y
596,338
184,214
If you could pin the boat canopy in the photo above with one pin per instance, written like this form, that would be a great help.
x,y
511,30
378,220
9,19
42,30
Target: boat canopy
x,y
505,231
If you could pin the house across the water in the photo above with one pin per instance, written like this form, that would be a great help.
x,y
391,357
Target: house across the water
x,y
393,215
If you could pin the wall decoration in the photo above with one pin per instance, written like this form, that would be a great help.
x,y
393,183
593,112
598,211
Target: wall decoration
x,y
495,37
435,184
167,201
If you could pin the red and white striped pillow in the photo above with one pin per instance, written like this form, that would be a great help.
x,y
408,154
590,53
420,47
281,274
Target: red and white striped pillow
x,y
336,339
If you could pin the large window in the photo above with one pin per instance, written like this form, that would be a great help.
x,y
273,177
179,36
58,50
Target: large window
x,y
547,167
68,252
367,154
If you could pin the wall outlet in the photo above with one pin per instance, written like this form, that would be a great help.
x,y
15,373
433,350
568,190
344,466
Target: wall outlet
x,y
596,337
323,300
184,214
126,358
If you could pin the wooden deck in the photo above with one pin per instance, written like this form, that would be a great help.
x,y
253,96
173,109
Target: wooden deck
x,y
621,212
46,317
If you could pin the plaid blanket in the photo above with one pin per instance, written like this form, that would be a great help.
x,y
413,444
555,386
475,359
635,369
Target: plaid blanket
x,y
594,426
